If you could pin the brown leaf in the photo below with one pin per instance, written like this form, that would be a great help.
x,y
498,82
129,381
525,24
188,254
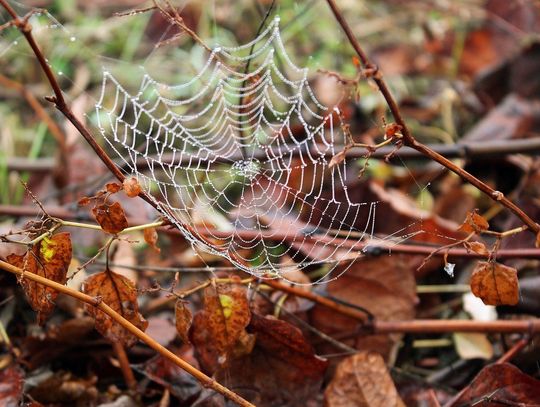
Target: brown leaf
x,y
501,384
282,369
84,201
537,243
11,386
49,258
113,187
151,237
111,217
474,223
495,284
477,247
184,318
383,285
132,188
218,327
362,380
119,293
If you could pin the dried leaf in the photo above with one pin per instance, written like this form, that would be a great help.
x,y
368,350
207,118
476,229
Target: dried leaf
x,y
119,293
218,327
282,369
132,188
477,247
49,258
472,345
184,318
495,284
474,223
383,285
537,244
11,386
111,217
84,201
362,380
151,237
501,384
113,187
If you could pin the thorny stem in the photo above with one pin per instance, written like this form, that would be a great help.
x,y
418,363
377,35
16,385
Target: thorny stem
x,y
200,376
409,139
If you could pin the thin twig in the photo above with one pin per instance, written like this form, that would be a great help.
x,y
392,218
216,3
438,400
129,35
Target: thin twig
x,y
95,302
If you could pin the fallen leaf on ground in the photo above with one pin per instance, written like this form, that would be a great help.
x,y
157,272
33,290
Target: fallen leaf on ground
x,y
472,345
111,217
11,386
282,370
120,294
49,258
362,380
495,283
501,384
385,286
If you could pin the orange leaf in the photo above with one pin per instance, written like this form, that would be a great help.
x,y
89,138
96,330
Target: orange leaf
x,y
474,223
132,188
477,247
84,201
151,237
111,217
119,293
221,323
49,258
362,380
113,187
183,318
495,284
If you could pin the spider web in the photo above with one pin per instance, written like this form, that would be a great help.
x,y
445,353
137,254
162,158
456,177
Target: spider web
x,y
251,149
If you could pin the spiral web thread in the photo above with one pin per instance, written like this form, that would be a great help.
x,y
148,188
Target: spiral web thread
x,y
233,173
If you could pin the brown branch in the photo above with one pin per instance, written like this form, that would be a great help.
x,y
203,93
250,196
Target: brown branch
x,y
514,350
123,361
411,249
442,326
200,376
410,140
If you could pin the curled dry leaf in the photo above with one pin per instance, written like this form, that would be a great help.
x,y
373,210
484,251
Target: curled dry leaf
x,y
474,223
49,258
501,385
84,201
111,217
151,237
495,284
362,380
119,293
113,187
218,328
132,188
477,247
184,318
